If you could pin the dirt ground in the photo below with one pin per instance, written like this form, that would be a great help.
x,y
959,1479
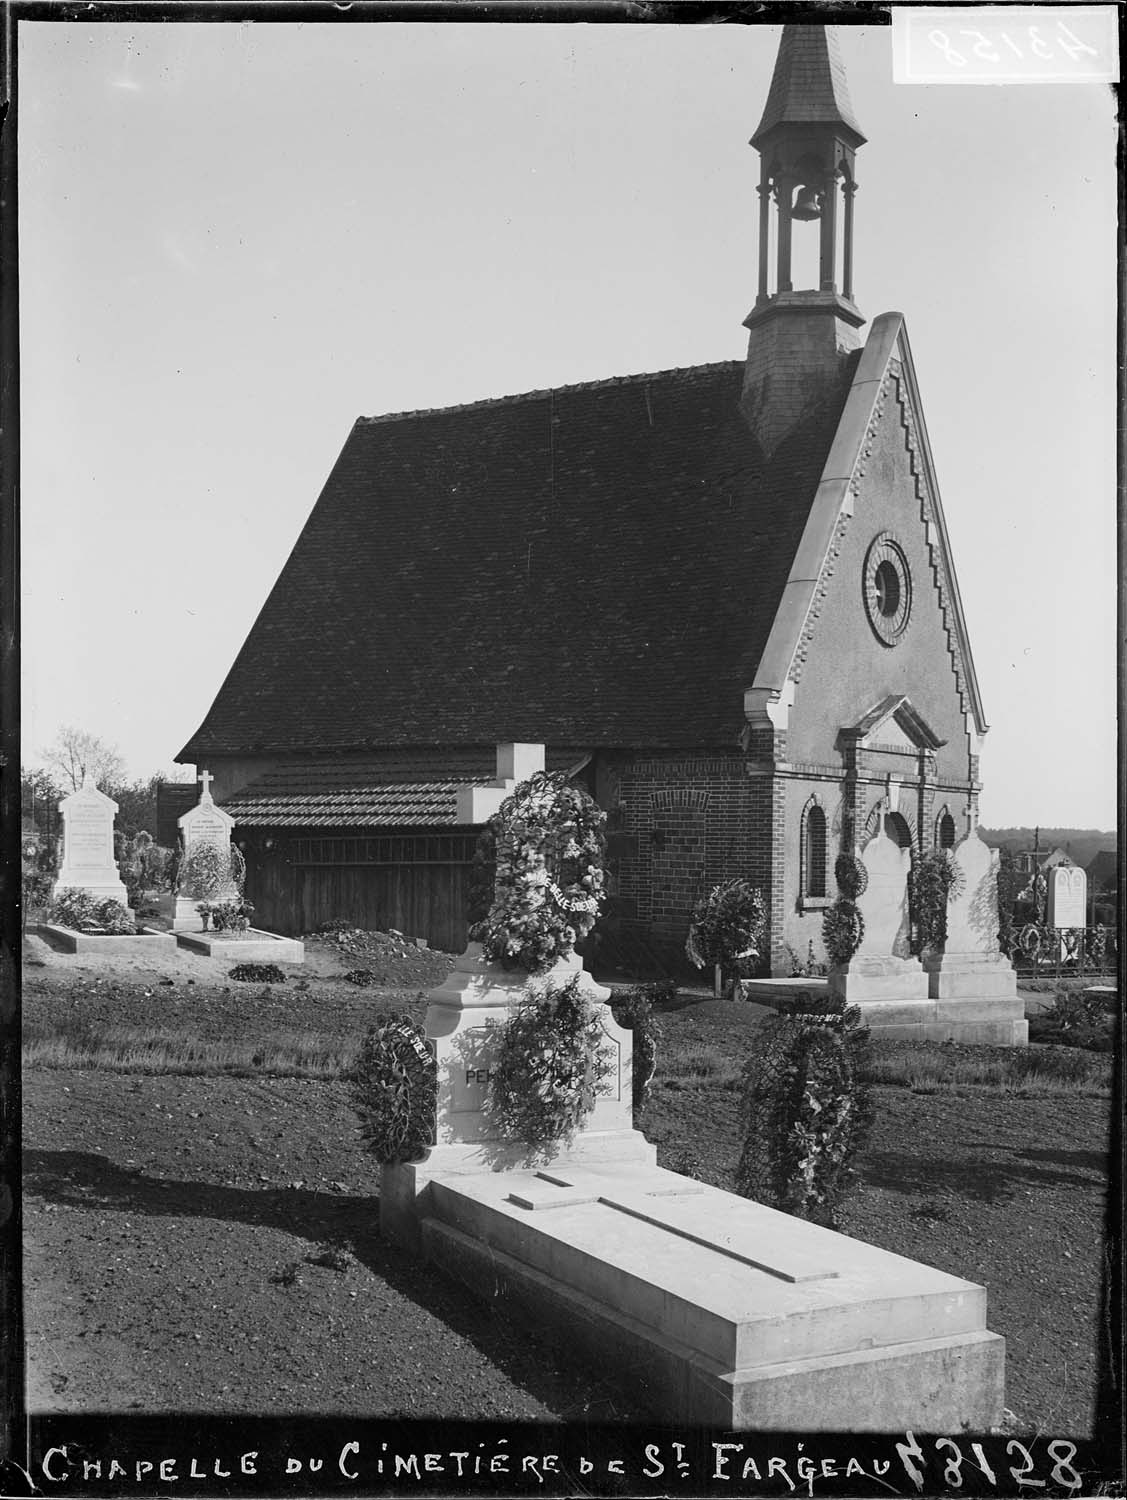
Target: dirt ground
x,y
211,1244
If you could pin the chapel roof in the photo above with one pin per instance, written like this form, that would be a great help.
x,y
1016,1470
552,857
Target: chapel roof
x,y
808,85
598,564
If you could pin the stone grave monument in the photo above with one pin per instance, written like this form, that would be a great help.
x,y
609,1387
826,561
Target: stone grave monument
x,y
204,824
883,970
1067,897
713,1309
971,979
88,863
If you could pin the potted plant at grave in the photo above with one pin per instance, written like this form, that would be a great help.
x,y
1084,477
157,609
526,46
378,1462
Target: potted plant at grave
x,y
548,885
727,929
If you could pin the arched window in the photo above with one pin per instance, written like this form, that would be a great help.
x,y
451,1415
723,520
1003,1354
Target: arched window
x,y
945,831
898,828
814,851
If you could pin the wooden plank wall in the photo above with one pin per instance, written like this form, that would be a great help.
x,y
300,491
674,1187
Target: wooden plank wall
x,y
420,900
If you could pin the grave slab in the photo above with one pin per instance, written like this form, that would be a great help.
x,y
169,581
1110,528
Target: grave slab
x,y
149,943
252,946
714,1309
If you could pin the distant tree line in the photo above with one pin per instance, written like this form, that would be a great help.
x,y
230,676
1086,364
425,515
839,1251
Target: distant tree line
x,y
64,768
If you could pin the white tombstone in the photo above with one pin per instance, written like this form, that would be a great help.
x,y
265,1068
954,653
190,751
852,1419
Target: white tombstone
x,y
203,825
1068,897
883,967
88,863
463,1024
971,972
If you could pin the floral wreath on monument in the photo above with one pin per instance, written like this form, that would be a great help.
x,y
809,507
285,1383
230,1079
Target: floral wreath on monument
x,y
548,848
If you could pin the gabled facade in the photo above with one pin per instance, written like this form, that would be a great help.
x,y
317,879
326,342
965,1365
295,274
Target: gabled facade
x,y
723,596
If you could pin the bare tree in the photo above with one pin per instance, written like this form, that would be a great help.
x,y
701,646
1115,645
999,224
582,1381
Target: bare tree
x,y
76,753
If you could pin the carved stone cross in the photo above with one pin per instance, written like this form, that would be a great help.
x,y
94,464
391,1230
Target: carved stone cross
x,y
205,778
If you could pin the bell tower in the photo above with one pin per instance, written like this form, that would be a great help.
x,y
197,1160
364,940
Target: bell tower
x,y
807,140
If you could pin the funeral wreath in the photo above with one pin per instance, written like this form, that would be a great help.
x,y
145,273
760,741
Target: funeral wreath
x,y
806,1110
552,1056
548,880
394,1090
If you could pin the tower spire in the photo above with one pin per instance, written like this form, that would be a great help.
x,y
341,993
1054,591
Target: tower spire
x,y
807,140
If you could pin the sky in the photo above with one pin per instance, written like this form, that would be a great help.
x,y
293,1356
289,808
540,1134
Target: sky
x,y
236,238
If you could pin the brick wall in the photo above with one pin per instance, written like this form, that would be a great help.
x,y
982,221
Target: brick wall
x,y
678,824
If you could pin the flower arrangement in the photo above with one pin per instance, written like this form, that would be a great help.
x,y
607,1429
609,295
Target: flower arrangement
x,y
548,884
807,1111
552,1056
230,916
394,1088
82,912
727,926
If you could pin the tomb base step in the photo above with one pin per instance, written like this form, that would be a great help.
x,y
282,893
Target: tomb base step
x,y
254,946
975,1020
712,1309
148,941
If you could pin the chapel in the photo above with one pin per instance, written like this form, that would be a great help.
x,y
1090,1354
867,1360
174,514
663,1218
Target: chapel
x,y
722,598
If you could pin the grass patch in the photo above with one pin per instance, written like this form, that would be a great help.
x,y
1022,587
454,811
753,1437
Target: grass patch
x,y
125,1049
698,1063
941,1067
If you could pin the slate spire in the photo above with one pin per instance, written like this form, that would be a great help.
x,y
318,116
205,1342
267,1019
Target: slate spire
x,y
808,85
807,140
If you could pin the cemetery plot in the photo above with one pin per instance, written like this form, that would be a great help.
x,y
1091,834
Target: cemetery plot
x,y
223,1188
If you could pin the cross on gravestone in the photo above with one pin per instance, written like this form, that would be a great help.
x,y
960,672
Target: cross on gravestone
x,y
205,778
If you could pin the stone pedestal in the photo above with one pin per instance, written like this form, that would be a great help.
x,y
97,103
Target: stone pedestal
x,y
88,863
463,1021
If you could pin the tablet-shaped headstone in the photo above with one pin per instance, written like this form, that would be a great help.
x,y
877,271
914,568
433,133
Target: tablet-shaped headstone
x,y
884,901
88,863
1068,897
972,910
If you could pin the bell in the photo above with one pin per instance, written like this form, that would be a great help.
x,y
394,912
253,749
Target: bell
x,y
807,205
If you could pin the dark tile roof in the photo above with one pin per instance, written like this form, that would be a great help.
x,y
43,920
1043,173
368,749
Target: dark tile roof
x,y
598,565
389,792
808,84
